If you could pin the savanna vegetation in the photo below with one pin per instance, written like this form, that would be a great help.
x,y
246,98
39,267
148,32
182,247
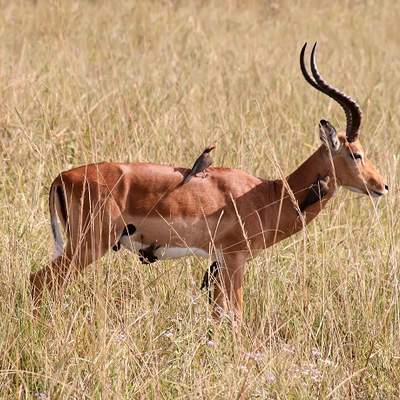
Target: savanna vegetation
x,y
85,81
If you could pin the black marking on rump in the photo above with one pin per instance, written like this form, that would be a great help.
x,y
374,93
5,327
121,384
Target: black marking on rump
x,y
209,278
63,204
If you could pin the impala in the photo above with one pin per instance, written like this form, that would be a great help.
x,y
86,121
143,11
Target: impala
x,y
228,217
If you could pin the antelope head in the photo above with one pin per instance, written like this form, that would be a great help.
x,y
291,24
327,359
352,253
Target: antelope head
x,y
352,168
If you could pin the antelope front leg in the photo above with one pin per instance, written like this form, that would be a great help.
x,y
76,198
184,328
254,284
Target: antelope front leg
x,y
228,290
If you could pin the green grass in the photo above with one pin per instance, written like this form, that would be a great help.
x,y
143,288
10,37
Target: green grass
x,y
156,81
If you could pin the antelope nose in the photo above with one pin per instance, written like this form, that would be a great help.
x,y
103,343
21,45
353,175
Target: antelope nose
x,y
386,187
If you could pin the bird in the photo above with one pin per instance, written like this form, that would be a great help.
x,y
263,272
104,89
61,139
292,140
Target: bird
x,y
316,192
147,255
200,165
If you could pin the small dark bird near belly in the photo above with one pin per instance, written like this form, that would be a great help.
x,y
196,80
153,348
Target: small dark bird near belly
x,y
200,165
147,256
317,191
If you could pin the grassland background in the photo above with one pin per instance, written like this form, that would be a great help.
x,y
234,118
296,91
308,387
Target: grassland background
x,y
84,81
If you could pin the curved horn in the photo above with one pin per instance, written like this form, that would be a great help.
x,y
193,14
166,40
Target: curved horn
x,y
350,107
306,75
311,81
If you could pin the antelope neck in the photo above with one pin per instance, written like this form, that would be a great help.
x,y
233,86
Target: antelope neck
x,y
317,165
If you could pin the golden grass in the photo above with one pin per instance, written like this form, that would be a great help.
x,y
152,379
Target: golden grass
x,y
156,81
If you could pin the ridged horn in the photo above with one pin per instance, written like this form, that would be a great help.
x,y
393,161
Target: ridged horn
x,y
350,107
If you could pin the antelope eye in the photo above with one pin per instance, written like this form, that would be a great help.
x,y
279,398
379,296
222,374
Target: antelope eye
x,y
357,156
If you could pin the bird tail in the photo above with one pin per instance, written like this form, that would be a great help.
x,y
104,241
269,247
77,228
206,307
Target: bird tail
x,y
187,178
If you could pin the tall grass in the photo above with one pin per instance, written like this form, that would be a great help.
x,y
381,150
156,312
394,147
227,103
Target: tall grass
x,y
85,81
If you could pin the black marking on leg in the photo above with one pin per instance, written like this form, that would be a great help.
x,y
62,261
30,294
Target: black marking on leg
x,y
209,278
129,230
117,246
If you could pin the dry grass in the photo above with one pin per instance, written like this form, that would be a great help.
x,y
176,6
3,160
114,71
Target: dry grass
x,y
156,81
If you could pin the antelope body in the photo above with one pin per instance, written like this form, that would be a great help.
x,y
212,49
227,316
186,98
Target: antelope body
x,y
228,217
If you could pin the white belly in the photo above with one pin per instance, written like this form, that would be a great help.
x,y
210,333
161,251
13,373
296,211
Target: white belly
x,y
163,252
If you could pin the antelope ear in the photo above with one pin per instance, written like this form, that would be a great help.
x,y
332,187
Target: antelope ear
x,y
328,135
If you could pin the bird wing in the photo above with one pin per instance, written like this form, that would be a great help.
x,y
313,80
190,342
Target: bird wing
x,y
197,166
195,169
